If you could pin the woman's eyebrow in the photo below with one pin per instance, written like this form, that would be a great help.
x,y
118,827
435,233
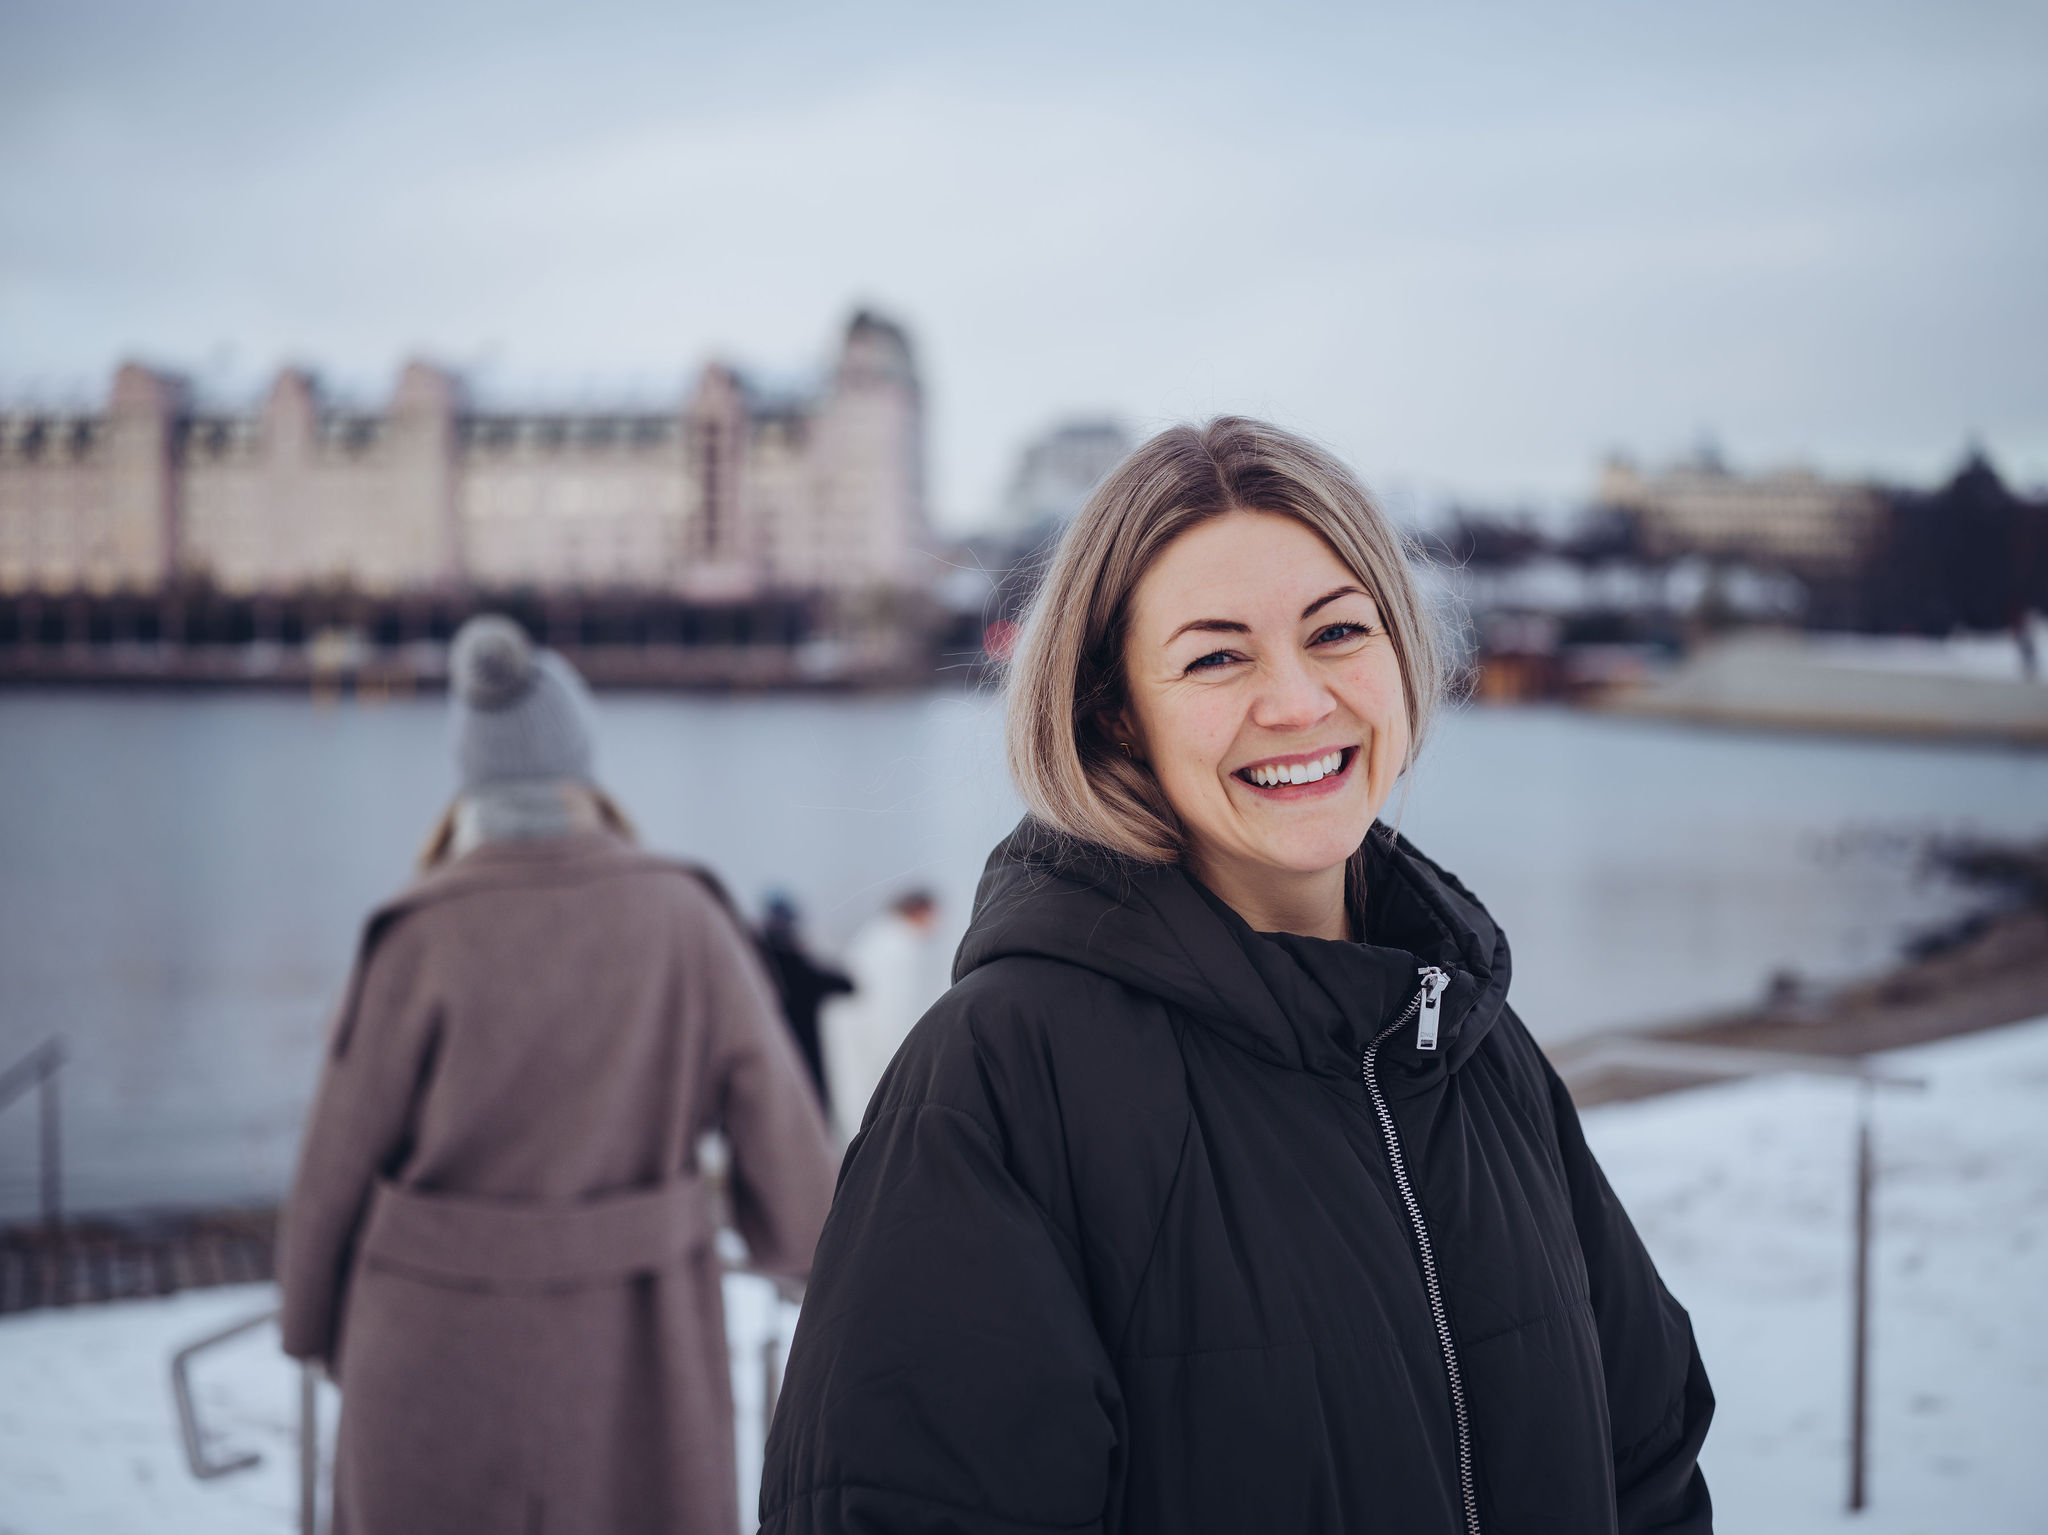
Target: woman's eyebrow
x,y
1232,626
1330,597
1216,626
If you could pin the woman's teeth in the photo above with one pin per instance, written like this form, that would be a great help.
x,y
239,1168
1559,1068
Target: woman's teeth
x,y
1273,774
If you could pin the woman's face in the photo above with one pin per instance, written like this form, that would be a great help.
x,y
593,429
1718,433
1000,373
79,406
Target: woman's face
x,y
1265,695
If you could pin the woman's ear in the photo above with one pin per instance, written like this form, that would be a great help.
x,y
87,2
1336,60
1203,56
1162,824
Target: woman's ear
x,y
1121,731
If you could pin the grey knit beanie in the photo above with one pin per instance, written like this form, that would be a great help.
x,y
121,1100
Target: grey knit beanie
x,y
521,712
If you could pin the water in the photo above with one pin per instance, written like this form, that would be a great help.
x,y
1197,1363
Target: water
x,y
182,876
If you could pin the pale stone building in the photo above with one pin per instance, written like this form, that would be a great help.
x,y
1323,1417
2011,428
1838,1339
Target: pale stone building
x,y
731,496
1788,516
86,502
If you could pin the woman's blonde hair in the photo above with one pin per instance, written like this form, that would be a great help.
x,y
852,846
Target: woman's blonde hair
x,y
1066,681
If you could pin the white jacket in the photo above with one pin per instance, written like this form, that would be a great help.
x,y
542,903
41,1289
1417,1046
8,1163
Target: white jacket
x,y
895,965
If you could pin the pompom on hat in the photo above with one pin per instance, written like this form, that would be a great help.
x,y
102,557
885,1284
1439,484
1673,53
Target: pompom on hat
x,y
521,712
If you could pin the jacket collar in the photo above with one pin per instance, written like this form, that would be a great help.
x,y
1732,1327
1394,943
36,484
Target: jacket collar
x,y
1305,1003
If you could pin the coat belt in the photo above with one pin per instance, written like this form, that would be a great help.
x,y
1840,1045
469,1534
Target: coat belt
x,y
455,1237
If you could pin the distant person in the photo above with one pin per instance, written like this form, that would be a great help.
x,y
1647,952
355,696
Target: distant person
x,y
1225,1191
803,981
498,1240
896,969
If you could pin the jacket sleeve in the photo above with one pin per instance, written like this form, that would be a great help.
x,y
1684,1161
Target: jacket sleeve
x,y
781,1160
946,1373
379,1058
1658,1397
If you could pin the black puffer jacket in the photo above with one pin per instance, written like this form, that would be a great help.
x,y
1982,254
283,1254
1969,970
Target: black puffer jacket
x,y
1124,1245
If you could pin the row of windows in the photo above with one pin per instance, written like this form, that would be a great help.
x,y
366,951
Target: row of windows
x,y
35,438
553,433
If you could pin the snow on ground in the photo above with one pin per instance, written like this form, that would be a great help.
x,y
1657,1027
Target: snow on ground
x,y
1745,1196
1743,1193
89,1435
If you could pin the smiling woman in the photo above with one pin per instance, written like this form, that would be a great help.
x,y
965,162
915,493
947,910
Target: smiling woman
x,y
1272,497
1224,1190
1276,725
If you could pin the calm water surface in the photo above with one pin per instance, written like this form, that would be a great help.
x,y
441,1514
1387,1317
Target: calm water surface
x,y
181,877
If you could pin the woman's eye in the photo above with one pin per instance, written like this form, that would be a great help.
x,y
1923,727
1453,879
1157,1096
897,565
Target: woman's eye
x,y
1336,634
1212,660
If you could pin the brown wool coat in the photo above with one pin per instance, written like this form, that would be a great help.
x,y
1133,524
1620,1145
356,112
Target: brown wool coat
x,y
495,1238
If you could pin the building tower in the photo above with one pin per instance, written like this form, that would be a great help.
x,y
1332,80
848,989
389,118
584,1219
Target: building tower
x,y
870,459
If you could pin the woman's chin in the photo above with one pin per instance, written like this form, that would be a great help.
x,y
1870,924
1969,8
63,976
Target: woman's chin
x,y
1310,857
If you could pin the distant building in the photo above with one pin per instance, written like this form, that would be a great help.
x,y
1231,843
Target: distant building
x,y
732,495
1056,472
1789,517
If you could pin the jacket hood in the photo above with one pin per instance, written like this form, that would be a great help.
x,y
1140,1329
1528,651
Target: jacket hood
x,y
1307,1003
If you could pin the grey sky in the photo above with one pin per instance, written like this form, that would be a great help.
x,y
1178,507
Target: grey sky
x,y
1472,246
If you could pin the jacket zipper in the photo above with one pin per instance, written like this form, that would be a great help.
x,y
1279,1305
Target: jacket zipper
x,y
1424,1006
1431,1004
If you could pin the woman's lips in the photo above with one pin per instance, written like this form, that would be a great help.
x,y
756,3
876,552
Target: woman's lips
x,y
1299,777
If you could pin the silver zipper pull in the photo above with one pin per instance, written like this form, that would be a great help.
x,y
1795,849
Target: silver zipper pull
x,y
1433,983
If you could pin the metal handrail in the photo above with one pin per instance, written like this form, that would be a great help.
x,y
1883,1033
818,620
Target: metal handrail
x,y
39,1069
205,1468
788,1292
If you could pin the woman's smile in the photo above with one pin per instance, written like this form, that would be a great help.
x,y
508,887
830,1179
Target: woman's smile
x,y
1303,775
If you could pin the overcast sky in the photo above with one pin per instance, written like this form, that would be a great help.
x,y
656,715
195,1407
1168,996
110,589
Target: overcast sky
x,y
1475,247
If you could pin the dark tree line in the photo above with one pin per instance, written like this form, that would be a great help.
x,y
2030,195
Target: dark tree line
x,y
1971,555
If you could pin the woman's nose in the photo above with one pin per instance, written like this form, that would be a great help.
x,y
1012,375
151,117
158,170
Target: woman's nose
x,y
1291,697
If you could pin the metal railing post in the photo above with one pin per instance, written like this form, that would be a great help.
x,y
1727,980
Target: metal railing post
x,y
51,1153
39,1069
771,1384
1722,1061
309,1449
1859,1367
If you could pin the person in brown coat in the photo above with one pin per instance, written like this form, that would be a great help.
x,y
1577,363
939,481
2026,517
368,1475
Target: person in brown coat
x,y
498,1241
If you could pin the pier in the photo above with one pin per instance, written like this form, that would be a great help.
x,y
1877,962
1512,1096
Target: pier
x,y
374,646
